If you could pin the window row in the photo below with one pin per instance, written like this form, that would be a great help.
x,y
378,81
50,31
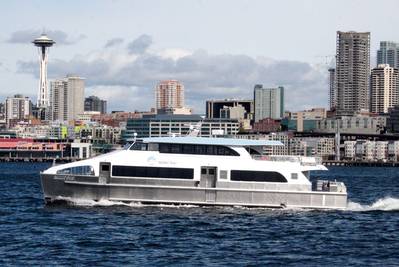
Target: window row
x,y
78,170
257,176
153,172
197,149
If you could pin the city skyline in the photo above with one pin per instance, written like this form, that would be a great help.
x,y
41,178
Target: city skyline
x,y
123,64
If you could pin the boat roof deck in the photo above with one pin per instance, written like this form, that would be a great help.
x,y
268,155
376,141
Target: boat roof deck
x,y
211,141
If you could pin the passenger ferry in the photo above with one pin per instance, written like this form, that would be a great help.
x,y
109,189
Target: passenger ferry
x,y
195,170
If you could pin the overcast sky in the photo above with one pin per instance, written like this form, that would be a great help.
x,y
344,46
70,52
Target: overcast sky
x,y
217,48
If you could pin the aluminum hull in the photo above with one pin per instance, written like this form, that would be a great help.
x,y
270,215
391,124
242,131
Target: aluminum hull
x,y
57,187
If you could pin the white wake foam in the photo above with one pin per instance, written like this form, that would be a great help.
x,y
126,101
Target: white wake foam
x,y
383,204
91,203
107,203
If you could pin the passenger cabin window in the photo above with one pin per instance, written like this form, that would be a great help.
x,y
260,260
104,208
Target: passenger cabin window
x,y
294,176
197,149
153,147
152,172
257,176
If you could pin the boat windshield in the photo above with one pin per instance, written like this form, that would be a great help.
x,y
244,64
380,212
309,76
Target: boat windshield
x,y
127,145
139,146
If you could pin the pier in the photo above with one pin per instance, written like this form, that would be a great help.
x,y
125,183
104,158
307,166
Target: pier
x,y
360,163
38,159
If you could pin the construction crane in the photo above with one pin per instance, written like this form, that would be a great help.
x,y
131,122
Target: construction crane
x,y
329,60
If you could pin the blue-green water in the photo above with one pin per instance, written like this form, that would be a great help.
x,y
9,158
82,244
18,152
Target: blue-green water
x,y
109,234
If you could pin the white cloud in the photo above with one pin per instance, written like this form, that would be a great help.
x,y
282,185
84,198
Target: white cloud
x,y
127,80
140,45
121,97
113,42
60,37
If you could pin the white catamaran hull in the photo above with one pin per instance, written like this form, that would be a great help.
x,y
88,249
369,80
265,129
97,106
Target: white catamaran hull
x,y
58,187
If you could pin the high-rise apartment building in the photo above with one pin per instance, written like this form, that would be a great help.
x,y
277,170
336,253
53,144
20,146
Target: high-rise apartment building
x,y
169,95
268,102
17,108
2,111
384,88
332,99
352,72
94,103
388,54
66,98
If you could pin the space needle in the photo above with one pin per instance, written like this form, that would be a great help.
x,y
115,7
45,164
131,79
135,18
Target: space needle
x,y
43,43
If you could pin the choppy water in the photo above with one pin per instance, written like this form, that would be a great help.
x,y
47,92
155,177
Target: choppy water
x,y
105,233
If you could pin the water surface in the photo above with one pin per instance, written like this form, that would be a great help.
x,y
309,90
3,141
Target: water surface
x,y
109,234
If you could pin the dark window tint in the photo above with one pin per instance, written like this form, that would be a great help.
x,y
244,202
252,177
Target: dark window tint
x,y
197,149
153,172
257,176
105,168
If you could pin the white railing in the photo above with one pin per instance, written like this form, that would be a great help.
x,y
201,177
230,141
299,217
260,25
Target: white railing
x,y
306,161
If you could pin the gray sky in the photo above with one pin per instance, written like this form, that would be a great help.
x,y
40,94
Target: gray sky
x,y
218,49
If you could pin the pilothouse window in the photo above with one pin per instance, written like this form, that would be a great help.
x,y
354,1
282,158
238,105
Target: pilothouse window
x,y
78,170
139,146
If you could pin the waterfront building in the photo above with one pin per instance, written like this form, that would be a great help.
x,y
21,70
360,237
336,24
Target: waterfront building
x,y
237,112
2,112
17,108
393,120
359,124
282,137
239,109
350,150
213,107
295,146
268,102
86,116
175,111
94,103
388,54
267,125
352,72
367,150
66,98
384,88
381,150
306,120
178,125
32,131
332,99
393,150
81,150
169,94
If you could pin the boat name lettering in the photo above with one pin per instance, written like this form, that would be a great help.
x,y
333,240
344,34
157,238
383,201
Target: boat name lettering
x,y
69,178
167,162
